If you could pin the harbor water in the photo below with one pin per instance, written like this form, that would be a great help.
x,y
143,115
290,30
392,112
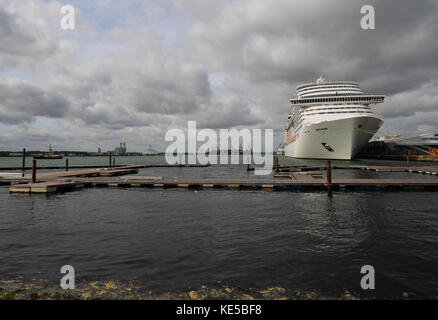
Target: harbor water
x,y
172,239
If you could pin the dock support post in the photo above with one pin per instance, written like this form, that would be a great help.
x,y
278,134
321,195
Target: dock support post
x,y
248,164
24,162
275,162
34,164
329,176
66,164
110,162
408,160
114,161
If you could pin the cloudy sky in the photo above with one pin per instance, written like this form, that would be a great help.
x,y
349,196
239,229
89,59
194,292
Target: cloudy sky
x,y
131,70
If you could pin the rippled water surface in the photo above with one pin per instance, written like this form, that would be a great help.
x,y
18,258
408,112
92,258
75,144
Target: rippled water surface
x,y
176,239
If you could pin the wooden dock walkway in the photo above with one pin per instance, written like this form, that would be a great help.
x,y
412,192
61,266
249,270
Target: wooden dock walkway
x,y
295,179
279,184
47,182
84,173
432,170
46,187
138,166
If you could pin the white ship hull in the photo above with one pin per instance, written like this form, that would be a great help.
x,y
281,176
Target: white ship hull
x,y
333,139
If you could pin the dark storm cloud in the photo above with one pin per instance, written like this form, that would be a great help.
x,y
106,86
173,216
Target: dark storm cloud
x,y
20,101
173,86
23,44
295,41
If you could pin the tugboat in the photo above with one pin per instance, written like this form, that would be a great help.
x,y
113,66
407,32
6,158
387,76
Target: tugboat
x,y
49,155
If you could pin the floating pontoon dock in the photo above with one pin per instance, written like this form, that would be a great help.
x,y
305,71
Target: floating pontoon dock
x,y
286,178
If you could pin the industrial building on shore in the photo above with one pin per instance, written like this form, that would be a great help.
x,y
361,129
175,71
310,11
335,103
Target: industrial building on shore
x,y
421,147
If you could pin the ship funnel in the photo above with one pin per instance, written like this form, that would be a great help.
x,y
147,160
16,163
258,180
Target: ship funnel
x,y
320,80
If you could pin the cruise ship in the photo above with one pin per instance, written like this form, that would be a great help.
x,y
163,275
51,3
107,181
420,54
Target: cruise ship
x,y
330,120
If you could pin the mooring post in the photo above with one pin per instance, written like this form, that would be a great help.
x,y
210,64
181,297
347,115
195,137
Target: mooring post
x,y
66,164
275,162
114,161
408,160
329,175
34,165
24,162
110,162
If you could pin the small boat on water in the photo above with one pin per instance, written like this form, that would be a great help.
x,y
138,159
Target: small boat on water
x,y
49,155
